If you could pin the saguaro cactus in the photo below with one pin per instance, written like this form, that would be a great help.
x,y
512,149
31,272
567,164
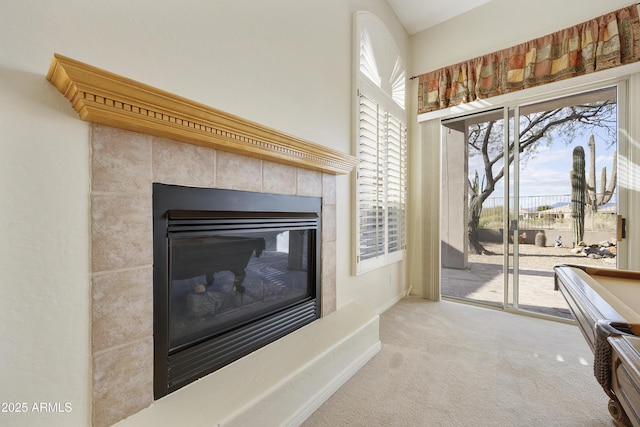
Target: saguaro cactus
x,y
475,211
604,196
578,187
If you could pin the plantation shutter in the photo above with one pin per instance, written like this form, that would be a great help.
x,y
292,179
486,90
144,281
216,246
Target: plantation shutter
x,y
370,180
380,135
381,182
396,183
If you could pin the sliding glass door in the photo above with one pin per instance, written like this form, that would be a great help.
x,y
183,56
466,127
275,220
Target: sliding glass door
x,y
472,208
533,194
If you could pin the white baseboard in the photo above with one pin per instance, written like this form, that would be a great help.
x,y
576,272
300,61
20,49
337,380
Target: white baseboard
x,y
333,386
389,304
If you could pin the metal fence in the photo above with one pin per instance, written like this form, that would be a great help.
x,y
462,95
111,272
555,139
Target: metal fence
x,y
547,213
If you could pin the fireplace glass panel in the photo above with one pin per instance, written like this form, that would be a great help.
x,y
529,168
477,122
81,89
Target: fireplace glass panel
x,y
232,272
220,281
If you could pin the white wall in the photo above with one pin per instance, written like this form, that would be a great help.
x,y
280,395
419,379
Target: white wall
x,y
282,63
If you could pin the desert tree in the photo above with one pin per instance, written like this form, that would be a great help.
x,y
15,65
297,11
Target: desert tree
x,y
537,129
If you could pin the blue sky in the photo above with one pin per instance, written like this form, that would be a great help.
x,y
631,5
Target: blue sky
x,y
548,172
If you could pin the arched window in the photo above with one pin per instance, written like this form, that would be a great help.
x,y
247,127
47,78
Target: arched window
x,y
381,145
379,59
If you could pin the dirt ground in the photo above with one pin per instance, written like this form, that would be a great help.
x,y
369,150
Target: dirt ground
x,y
533,257
483,279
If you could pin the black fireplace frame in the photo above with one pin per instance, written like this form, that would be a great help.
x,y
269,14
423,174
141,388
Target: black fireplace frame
x,y
172,204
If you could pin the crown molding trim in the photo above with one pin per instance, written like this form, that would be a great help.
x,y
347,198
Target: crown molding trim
x,y
102,97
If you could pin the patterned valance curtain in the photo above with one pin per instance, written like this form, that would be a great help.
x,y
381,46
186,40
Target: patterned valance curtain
x,y
604,42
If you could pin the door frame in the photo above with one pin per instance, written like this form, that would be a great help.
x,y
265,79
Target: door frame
x,y
625,156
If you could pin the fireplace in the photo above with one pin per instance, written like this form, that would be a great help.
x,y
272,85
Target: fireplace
x,y
233,271
141,135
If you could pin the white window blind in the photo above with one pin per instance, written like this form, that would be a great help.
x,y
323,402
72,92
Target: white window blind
x,y
396,155
381,145
370,180
382,178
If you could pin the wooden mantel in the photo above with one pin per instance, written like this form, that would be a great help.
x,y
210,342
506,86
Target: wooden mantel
x,y
99,96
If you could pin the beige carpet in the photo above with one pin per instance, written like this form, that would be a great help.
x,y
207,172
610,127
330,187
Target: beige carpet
x,y
450,364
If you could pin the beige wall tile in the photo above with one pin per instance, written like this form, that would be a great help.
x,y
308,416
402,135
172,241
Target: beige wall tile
x,y
122,228
329,189
309,183
279,179
122,381
183,164
328,223
121,161
328,277
238,172
122,307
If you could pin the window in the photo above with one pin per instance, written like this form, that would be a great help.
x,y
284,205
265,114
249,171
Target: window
x,y
381,177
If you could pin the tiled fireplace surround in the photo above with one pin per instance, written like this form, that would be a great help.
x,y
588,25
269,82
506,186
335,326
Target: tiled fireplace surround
x,y
124,165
